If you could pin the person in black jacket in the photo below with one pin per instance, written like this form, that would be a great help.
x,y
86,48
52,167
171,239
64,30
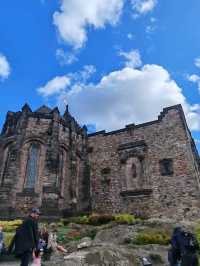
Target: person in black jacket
x,y
26,239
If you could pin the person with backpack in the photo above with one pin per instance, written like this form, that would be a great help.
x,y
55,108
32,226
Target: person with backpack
x,y
189,249
174,253
184,248
25,241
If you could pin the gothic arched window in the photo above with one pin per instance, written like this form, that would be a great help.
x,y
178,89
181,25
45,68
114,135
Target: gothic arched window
x,y
60,172
60,177
32,166
133,171
5,166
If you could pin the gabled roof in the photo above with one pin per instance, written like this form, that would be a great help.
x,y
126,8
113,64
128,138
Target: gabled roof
x,y
43,109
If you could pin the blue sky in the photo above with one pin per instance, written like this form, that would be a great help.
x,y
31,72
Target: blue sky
x,y
114,62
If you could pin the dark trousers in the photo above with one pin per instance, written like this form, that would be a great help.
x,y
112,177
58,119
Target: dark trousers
x,y
189,259
26,258
173,257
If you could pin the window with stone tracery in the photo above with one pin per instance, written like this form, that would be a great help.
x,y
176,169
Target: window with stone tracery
x,y
32,166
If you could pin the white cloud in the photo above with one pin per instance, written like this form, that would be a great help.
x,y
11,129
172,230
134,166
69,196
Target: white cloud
x,y
75,17
195,79
61,84
65,58
4,67
130,36
83,75
133,58
143,6
127,96
197,62
54,86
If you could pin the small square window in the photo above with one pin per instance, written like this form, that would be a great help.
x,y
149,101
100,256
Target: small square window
x,y
166,167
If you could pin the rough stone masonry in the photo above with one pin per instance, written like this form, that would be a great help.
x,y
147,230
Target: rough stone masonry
x,y
48,160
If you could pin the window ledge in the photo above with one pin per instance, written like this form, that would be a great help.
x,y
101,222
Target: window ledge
x,y
27,193
50,189
136,193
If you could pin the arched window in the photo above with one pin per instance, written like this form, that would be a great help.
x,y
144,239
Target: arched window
x,y
133,173
133,170
60,175
61,172
5,166
32,166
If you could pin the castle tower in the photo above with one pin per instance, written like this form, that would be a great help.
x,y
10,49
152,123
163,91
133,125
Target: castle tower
x,y
43,162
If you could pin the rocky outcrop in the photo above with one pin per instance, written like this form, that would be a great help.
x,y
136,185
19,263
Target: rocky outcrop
x,y
114,244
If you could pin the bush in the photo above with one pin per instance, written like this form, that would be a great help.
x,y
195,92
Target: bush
x,y
7,238
92,233
10,226
152,237
61,233
99,219
73,235
197,233
77,220
125,219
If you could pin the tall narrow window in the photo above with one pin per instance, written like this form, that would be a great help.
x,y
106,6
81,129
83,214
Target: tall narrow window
x,y
32,166
5,167
134,170
61,170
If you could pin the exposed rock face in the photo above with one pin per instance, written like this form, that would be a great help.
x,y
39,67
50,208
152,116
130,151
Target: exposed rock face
x,y
104,255
48,160
114,246
117,235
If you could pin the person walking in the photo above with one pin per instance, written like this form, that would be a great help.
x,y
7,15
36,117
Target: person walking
x,y
174,253
25,241
184,248
189,250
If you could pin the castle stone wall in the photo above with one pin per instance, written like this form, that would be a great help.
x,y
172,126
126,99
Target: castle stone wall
x,y
48,160
151,193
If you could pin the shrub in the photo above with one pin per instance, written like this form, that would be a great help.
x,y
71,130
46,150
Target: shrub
x,y
197,233
73,235
61,233
152,237
80,219
92,233
76,219
7,238
99,219
125,219
10,226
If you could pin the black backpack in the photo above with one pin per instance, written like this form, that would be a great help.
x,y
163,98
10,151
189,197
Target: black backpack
x,y
188,243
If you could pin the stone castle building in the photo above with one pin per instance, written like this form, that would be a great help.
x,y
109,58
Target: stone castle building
x,y
48,160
